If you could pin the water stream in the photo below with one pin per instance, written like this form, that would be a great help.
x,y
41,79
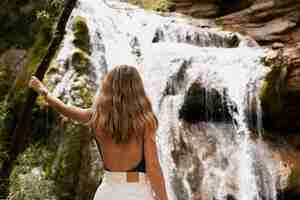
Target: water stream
x,y
207,160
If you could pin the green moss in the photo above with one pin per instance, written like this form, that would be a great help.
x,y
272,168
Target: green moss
x,y
156,5
81,34
80,61
294,178
162,5
273,93
270,96
66,169
4,137
6,77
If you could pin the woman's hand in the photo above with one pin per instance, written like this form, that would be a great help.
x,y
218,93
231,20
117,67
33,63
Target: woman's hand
x,y
72,112
38,86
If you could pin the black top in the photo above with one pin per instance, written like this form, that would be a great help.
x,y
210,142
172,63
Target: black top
x,y
141,167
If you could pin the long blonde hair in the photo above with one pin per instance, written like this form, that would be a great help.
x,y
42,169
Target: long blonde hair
x,y
122,108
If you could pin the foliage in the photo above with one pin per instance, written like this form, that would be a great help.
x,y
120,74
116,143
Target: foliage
x,y
36,53
65,170
29,178
22,20
4,138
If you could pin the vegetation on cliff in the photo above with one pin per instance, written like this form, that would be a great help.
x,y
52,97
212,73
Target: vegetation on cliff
x,y
157,5
280,94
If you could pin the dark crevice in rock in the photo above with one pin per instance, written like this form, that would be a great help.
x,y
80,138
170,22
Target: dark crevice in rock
x,y
232,40
158,36
288,195
206,104
229,6
227,197
230,197
280,94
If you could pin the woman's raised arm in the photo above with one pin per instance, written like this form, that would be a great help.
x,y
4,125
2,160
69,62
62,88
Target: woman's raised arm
x,y
72,112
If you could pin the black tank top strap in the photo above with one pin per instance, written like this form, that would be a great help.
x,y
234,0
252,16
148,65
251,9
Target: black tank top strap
x,y
141,167
99,149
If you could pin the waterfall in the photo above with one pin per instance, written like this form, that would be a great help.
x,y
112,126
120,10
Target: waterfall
x,y
209,159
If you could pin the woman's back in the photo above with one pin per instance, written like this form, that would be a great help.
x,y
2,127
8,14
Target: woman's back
x,y
121,156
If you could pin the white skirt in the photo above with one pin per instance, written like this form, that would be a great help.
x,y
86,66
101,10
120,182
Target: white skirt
x,y
115,187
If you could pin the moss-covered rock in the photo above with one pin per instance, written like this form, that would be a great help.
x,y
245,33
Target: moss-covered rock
x,y
81,34
280,95
80,61
83,92
294,178
159,5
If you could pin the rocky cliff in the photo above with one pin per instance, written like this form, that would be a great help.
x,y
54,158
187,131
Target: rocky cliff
x,y
274,24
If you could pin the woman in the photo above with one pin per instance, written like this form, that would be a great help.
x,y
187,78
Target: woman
x,y
124,125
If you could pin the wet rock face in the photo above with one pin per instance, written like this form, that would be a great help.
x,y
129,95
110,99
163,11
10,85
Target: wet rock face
x,y
203,104
267,21
280,92
286,164
195,36
198,154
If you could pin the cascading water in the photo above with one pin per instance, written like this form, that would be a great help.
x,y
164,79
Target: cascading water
x,y
207,160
